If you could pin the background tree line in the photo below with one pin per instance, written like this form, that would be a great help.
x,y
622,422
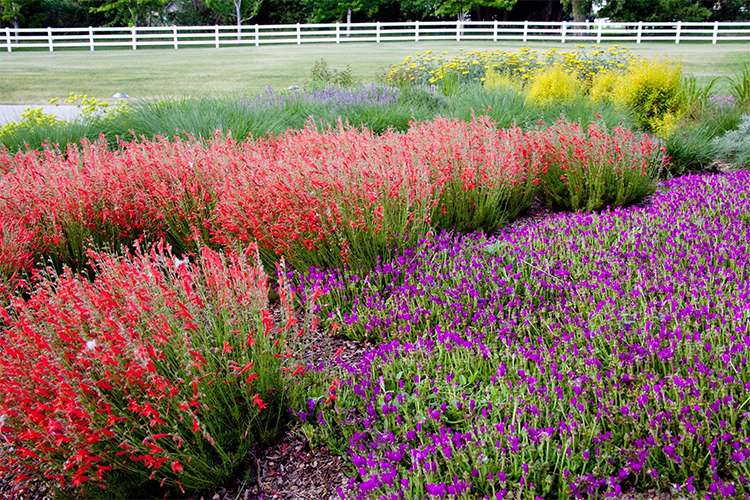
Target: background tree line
x,y
43,13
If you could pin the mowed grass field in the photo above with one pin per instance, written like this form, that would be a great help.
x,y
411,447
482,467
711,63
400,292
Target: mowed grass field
x,y
34,77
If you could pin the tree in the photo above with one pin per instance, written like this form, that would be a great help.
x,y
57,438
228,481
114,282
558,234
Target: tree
x,y
238,10
10,12
658,10
130,12
460,8
580,9
731,10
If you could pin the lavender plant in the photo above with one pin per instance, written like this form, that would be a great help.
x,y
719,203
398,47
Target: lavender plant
x,y
577,355
367,94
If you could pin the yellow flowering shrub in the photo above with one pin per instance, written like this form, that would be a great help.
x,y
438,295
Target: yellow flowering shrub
x,y
553,85
665,126
36,117
603,86
495,80
30,118
428,68
651,91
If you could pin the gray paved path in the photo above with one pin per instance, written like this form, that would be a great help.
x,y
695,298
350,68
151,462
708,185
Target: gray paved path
x,y
12,112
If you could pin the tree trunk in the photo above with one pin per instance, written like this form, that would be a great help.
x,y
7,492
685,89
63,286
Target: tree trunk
x,y
238,16
579,10
548,11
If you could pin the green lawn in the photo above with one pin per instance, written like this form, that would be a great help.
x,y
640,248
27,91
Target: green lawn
x,y
34,77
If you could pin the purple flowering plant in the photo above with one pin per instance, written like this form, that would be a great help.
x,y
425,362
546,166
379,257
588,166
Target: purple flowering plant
x,y
579,355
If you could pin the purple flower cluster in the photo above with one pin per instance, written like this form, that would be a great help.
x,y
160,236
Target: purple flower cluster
x,y
576,355
722,101
369,94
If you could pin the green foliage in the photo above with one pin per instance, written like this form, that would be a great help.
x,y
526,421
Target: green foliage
x,y
129,12
553,85
322,75
739,85
593,168
234,11
509,107
658,10
734,146
10,11
692,147
461,7
653,92
203,117
696,96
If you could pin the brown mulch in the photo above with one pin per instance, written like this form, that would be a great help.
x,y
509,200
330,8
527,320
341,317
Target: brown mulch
x,y
291,470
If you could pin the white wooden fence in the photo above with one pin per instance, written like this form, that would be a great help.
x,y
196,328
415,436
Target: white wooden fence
x,y
52,39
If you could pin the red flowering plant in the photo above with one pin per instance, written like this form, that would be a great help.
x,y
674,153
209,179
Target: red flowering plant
x,y
159,373
483,176
315,197
328,197
591,168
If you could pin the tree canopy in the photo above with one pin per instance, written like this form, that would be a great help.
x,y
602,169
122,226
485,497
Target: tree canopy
x,y
42,13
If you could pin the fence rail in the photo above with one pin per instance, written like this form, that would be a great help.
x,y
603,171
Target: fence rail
x,y
53,39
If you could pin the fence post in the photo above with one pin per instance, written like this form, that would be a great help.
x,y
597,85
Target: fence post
x,y
416,31
91,38
715,36
639,34
677,33
299,34
494,31
338,32
257,36
50,42
174,37
458,30
135,39
8,39
563,31
216,35
598,33
377,32
525,31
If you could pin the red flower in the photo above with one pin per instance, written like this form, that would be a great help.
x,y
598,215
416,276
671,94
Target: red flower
x,y
177,467
259,402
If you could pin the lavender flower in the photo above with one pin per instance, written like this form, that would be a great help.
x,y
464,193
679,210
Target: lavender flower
x,y
368,94
576,355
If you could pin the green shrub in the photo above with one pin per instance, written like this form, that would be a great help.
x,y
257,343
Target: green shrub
x,y
322,75
508,107
691,147
653,92
553,85
734,146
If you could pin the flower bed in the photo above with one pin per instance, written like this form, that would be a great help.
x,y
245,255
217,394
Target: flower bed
x,y
576,355
315,197
159,373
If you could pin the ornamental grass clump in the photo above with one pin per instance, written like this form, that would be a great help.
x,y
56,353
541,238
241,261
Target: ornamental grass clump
x,y
591,168
159,375
579,355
